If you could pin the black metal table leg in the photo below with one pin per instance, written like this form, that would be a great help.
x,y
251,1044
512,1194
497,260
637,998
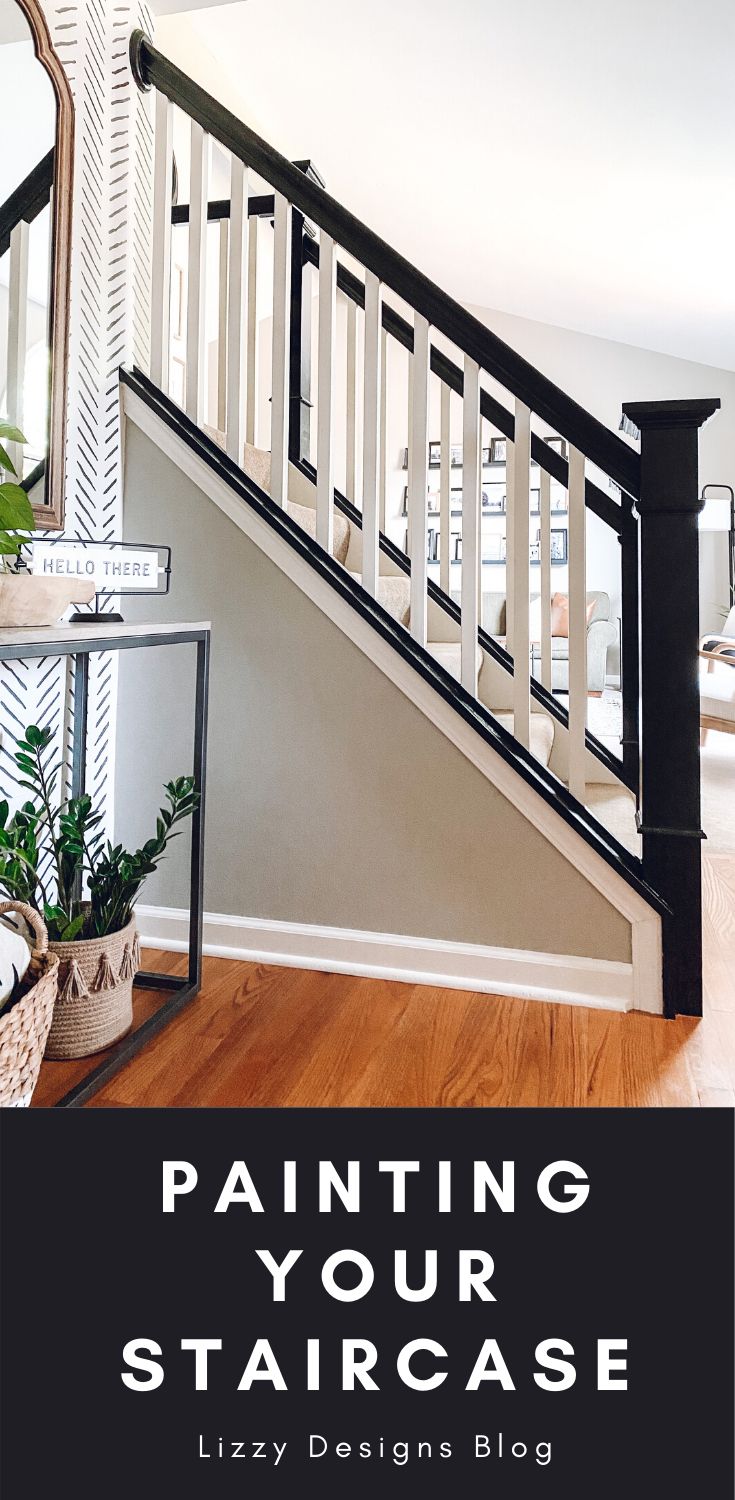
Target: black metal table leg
x,y
79,738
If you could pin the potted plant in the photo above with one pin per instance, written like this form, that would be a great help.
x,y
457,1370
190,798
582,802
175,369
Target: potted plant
x,y
27,600
49,853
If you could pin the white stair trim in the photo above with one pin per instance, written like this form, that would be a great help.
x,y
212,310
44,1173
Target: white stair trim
x,y
646,923
413,960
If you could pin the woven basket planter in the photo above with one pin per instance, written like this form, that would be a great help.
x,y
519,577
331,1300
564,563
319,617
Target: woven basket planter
x,y
25,1026
95,1001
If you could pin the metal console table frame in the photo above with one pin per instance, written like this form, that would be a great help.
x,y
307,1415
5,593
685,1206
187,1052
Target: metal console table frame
x,y
78,642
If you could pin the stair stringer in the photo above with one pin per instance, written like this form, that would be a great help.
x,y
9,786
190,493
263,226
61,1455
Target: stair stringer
x,y
642,987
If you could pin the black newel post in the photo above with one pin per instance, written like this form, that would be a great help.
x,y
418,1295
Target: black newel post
x,y
669,801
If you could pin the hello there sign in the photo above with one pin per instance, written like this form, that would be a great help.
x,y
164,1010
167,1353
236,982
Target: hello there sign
x,y
114,568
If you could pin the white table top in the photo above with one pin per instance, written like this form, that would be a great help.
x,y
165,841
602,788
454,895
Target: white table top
x,y
64,634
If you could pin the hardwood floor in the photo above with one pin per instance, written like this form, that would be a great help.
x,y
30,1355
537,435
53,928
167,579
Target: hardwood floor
x,y
259,1035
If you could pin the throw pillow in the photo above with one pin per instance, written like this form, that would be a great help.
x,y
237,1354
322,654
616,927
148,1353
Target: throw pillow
x,y
560,614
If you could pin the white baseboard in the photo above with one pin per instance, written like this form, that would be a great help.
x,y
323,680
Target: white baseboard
x,y
414,960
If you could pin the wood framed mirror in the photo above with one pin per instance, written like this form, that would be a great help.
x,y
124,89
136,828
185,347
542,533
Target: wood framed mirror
x,y
37,115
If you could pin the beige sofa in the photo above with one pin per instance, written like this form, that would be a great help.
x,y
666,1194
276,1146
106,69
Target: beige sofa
x,y
601,634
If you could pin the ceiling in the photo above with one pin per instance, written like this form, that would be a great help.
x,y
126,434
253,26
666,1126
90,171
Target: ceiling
x,y
573,162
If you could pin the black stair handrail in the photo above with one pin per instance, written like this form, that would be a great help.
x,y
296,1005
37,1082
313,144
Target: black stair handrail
x,y
585,432
28,200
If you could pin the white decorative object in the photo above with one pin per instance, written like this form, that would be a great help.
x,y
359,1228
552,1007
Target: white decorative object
x,y
26,600
15,956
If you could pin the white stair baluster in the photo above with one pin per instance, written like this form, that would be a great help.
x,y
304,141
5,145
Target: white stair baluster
x,y
223,259
352,479
17,336
197,275
471,510
577,549
371,434
418,483
325,407
237,302
545,574
408,453
510,511
251,379
161,267
444,487
521,574
383,425
279,384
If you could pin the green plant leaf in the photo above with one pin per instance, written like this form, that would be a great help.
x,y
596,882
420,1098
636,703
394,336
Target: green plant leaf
x,y
11,433
16,511
9,544
69,933
6,461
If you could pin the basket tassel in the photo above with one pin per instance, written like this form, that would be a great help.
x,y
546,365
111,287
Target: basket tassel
x,y
74,986
127,967
136,953
105,978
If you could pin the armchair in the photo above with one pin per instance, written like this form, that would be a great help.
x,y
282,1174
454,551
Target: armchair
x,y
717,681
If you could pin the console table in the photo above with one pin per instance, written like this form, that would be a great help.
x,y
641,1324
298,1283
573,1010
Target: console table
x,y
79,642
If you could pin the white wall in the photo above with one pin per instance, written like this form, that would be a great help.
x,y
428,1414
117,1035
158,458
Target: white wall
x,y
601,375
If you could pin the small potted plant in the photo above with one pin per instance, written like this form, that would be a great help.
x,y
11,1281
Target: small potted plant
x,y
27,599
91,931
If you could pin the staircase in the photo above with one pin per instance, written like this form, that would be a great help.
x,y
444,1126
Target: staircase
x,y
270,444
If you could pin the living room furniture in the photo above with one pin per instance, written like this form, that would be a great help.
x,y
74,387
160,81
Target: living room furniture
x,y
717,681
79,642
718,514
601,634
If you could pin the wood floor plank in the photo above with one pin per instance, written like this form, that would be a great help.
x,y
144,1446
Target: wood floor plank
x,y
717,1099
262,1035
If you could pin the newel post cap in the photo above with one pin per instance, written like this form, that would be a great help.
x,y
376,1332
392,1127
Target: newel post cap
x,y
645,416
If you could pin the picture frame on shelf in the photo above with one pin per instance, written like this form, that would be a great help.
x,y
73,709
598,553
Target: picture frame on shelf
x,y
494,548
455,501
559,544
499,450
535,552
435,451
433,502
559,444
496,504
456,456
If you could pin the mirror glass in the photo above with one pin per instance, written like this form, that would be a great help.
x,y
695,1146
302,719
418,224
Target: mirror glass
x,y
28,112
